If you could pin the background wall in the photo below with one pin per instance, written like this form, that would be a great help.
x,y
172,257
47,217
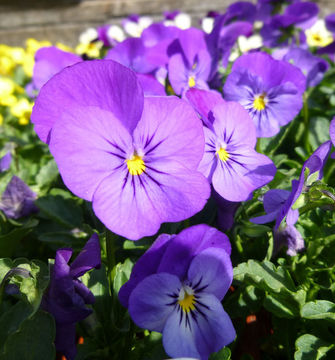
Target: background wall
x,y
64,20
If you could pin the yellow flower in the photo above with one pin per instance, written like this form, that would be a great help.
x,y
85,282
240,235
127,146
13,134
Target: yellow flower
x,y
1,119
33,45
22,110
91,49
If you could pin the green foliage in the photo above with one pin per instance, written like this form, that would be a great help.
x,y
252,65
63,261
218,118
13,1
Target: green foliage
x,y
310,347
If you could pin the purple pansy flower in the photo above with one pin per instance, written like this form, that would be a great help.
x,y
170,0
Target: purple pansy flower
x,y
230,162
176,289
286,234
314,166
271,90
135,158
312,66
17,199
67,296
190,64
48,62
241,10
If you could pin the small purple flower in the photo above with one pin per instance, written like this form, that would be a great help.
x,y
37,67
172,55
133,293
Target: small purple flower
x,y
312,66
271,90
190,63
5,162
286,234
230,162
176,289
312,170
17,200
134,157
67,296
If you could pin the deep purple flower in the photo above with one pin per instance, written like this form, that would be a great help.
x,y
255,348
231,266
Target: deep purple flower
x,y
17,199
330,22
48,62
225,211
190,63
5,161
230,162
271,90
67,296
241,11
286,234
135,158
312,66
176,289
312,170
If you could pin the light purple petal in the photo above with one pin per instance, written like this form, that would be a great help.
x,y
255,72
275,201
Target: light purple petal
x,y
203,102
135,206
234,125
243,172
149,303
150,85
88,143
49,61
207,333
102,83
211,270
170,129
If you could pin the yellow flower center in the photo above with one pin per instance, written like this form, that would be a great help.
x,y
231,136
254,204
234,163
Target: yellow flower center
x,y
191,81
135,165
187,303
259,102
223,154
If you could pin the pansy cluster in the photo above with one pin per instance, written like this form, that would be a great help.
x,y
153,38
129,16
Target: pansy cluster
x,y
148,155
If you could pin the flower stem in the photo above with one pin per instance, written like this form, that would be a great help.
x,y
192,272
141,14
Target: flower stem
x,y
110,251
306,123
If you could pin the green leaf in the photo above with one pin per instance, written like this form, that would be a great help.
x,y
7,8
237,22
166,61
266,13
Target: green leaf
x,y
5,265
47,174
12,319
10,241
122,274
318,131
32,287
33,340
64,211
264,275
309,347
223,354
285,305
319,309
